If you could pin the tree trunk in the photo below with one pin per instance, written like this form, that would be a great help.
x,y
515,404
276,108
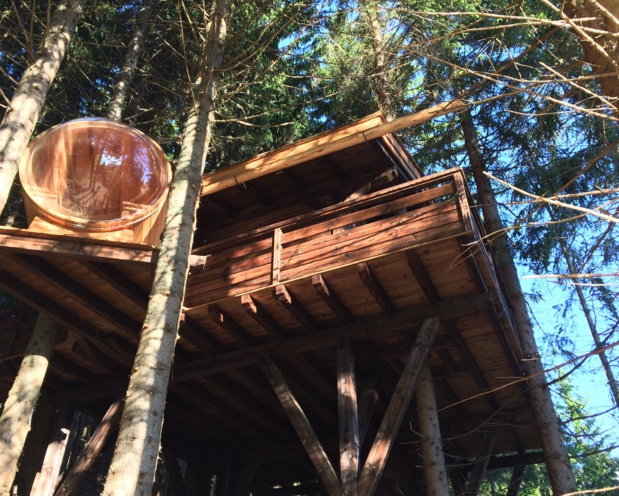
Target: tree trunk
x,y
553,446
600,47
369,10
430,436
135,457
17,414
599,346
25,107
120,94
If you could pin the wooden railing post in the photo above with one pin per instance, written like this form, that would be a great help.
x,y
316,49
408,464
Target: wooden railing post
x,y
277,255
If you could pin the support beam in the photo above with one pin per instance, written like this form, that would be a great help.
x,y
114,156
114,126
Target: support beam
x,y
375,288
390,426
348,418
242,484
80,293
332,300
296,309
302,426
516,480
176,476
430,433
92,450
119,281
479,469
229,325
307,342
256,312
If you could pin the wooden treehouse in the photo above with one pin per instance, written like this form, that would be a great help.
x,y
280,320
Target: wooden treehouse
x,y
323,276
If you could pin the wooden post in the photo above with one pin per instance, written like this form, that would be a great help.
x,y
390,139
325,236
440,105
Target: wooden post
x,y
479,469
302,426
390,426
46,480
516,480
431,442
92,450
348,418
277,255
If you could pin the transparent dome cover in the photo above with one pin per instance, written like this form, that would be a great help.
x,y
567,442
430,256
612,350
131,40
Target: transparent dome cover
x,y
96,174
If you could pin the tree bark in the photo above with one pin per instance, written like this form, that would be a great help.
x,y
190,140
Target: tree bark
x,y
16,417
430,433
555,452
599,345
118,102
600,47
135,456
25,107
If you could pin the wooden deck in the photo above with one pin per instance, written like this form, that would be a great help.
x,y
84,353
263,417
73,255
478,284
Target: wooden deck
x,y
285,295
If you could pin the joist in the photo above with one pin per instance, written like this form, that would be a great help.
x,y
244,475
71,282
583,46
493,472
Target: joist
x,y
256,312
375,288
332,300
304,343
223,320
296,309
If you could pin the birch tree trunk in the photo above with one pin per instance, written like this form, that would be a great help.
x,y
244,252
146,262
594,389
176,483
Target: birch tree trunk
x,y
135,456
16,417
120,94
25,107
555,452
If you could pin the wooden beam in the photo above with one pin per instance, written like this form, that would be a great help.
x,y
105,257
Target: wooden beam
x,y
431,292
174,471
375,288
302,426
366,404
276,255
41,303
228,324
288,157
242,484
255,193
332,300
390,426
516,479
296,309
307,342
348,418
256,312
194,334
119,281
97,442
479,469
80,293
23,241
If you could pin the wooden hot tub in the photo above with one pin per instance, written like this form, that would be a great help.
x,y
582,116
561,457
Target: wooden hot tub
x,y
96,176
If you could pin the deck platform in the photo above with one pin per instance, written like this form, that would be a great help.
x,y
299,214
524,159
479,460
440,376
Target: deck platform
x,y
282,283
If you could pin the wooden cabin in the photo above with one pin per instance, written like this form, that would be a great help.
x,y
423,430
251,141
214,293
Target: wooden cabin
x,y
322,271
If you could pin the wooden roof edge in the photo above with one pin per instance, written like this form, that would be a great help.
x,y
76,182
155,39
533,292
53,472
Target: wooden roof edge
x,y
320,145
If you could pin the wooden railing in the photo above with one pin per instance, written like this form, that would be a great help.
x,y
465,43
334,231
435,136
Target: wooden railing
x,y
410,215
